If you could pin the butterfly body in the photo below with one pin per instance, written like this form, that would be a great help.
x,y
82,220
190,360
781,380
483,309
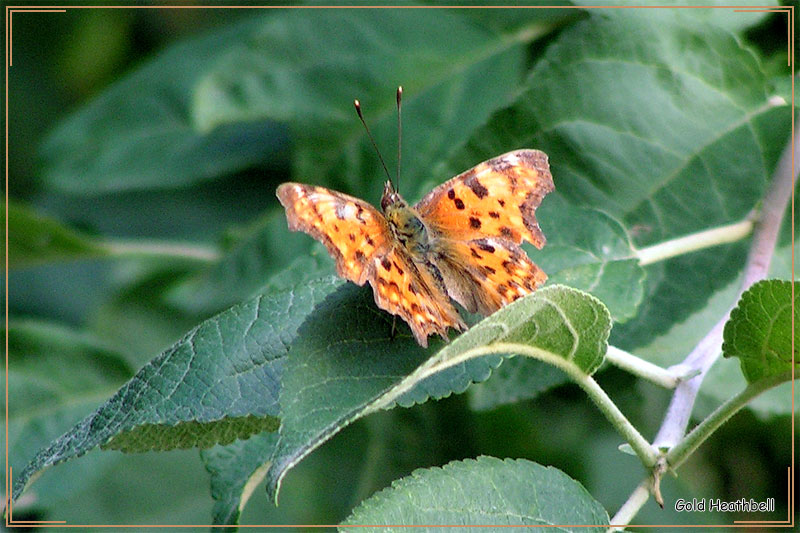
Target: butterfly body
x,y
461,241
404,222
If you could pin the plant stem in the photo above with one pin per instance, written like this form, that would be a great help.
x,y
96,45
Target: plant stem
x,y
643,369
629,509
145,249
678,454
695,241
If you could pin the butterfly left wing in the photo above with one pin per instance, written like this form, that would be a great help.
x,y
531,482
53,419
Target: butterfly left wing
x,y
352,230
497,198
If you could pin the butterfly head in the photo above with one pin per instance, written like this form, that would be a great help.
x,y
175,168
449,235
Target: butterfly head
x,y
391,198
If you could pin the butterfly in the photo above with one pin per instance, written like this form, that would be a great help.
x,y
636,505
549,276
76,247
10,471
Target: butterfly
x,y
461,241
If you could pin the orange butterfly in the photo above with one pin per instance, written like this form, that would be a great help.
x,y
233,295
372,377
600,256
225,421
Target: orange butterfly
x,y
461,240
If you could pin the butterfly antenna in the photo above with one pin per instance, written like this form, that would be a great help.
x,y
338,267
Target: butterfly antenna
x,y
357,104
399,133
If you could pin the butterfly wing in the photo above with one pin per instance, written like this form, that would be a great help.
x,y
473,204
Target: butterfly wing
x,y
478,220
352,230
497,198
486,274
415,292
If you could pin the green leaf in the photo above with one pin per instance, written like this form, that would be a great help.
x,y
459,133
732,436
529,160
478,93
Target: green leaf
x,y
345,363
35,239
235,469
483,491
666,125
759,331
344,357
139,133
208,388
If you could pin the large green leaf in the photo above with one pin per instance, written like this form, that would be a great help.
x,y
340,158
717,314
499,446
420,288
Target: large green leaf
x,y
220,382
759,331
35,239
346,364
139,133
664,124
484,491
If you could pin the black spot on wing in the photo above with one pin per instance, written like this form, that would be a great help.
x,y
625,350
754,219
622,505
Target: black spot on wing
x,y
476,186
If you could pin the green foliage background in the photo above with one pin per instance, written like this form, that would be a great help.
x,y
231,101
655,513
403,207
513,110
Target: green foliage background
x,y
129,129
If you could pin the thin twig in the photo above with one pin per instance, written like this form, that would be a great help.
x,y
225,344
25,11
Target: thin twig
x,y
696,241
140,249
644,369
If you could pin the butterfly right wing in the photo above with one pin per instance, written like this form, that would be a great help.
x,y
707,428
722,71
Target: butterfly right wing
x,y
352,230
